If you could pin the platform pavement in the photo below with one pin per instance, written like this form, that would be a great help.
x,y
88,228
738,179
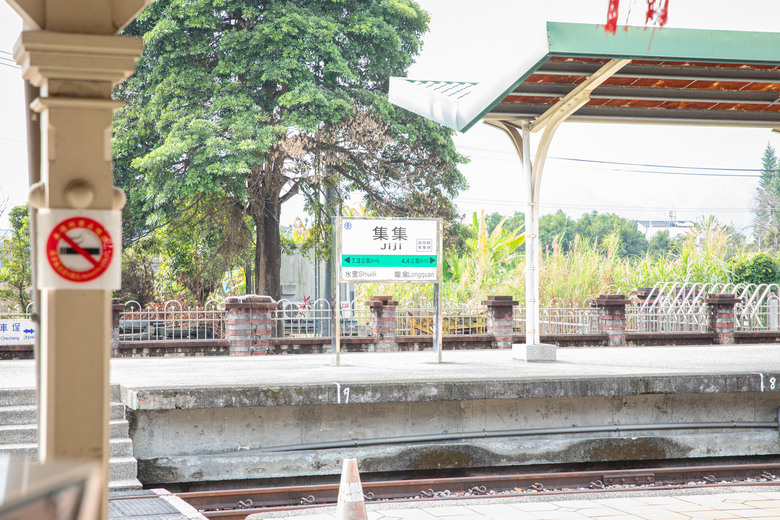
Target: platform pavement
x,y
750,503
463,365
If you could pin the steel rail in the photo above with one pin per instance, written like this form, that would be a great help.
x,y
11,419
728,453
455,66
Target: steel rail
x,y
234,504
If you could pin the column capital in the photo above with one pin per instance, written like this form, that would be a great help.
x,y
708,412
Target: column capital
x,y
611,300
45,55
726,299
500,301
103,17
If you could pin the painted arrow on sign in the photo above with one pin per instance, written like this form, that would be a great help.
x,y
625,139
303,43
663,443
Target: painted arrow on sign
x,y
388,260
29,331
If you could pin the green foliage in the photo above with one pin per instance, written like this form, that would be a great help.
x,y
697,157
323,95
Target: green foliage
x,y
596,228
249,103
586,270
589,267
756,269
490,257
558,231
766,229
16,273
194,256
562,230
660,245
705,255
138,273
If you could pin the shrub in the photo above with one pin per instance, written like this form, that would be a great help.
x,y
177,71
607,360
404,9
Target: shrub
x,y
757,269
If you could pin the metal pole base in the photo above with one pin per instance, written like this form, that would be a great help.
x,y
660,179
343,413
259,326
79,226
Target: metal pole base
x,y
535,353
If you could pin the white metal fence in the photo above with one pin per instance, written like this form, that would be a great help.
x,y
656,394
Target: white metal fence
x,y
557,318
16,313
681,307
758,309
416,318
171,321
305,319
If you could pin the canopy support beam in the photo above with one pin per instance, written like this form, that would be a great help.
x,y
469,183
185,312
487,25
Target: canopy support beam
x,y
520,134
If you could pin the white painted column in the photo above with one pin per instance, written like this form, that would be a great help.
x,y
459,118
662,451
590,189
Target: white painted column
x,y
531,243
75,73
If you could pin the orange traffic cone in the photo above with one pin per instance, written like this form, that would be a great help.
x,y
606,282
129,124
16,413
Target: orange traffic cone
x,y
351,504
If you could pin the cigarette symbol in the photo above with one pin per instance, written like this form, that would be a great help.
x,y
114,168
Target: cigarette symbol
x,y
71,251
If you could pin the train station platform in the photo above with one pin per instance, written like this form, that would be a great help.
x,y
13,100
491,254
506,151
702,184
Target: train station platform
x,y
462,365
198,421
755,503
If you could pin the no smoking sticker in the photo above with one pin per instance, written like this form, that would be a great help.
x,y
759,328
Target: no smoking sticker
x,y
79,250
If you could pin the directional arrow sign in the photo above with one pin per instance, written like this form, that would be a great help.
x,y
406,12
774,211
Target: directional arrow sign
x,y
17,331
388,260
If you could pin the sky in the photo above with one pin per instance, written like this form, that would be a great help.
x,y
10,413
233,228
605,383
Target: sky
x,y
716,166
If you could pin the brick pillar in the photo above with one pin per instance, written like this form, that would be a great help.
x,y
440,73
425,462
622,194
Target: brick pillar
x,y
612,318
249,324
382,323
500,319
720,311
116,308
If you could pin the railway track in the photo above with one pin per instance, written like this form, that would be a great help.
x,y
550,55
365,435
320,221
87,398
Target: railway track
x,y
238,503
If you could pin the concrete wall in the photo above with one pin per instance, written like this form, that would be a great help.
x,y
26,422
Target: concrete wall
x,y
231,434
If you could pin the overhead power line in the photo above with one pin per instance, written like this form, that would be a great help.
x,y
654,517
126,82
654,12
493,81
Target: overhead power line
x,y
659,165
22,141
689,170
520,204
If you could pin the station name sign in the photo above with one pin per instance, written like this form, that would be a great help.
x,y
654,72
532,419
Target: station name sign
x,y
17,332
389,250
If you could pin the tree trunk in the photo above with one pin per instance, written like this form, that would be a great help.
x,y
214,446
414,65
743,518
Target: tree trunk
x,y
268,251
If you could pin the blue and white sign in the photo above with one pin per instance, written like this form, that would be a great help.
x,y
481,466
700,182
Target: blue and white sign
x,y
389,250
17,332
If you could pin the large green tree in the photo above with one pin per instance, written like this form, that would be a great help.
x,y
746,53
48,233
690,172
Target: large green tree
x,y
247,103
16,273
766,222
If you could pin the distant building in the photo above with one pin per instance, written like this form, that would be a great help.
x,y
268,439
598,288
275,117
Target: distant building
x,y
670,223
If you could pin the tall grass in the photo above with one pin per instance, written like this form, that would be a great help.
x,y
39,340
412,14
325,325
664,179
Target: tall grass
x,y
570,278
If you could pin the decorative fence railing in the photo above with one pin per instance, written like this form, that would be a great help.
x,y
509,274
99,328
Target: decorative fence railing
x,y
171,321
759,311
558,318
681,307
666,307
315,319
417,319
16,313
676,318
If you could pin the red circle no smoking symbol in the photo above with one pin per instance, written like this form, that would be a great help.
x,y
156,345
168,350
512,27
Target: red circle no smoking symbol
x,y
79,249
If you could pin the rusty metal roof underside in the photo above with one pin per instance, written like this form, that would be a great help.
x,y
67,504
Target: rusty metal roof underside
x,y
654,90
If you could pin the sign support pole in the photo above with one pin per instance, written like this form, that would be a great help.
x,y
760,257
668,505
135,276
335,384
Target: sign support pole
x,y
437,296
337,287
